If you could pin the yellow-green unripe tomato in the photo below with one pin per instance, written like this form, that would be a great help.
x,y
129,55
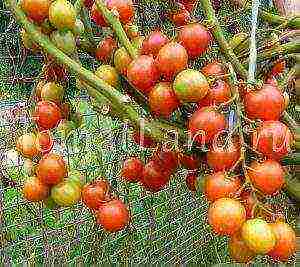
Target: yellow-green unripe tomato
x,y
66,194
65,41
76,177
52,92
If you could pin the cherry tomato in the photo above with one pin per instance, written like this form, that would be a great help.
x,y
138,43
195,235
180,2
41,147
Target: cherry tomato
x,y
153,43
205,124
167,159
53,92
132,169
96,194
278,68
131,30
47,115
37,10
285,245
266,103
249,201
26,145
34,190
226,216
27,42
62,15
214,69
273,139
267,176
142,73
76,177
181,16
195,38
51,169
65,41
258,236
218,93
105,49
191,181
122,60
220,185
144,141
162,100
189,162
108,74
171,59
113,216
66,194
44,142
190,86
188,4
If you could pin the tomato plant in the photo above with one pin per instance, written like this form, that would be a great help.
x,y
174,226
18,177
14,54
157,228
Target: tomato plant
x,y
132,169
34,190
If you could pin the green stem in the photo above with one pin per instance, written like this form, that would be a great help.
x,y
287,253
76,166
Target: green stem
x,y
293,23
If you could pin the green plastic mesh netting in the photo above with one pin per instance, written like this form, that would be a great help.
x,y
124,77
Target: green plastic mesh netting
x,y
168,227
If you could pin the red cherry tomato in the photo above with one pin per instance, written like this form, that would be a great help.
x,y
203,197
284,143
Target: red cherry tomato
x,y
191,181
153,43
34,190
44,142
189,162
132,169
195,38
47,115
278,68
37,10
113,216
51,169
181,16
144,141
105,49
167,159
214,69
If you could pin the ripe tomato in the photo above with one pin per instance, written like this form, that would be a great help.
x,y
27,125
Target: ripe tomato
x,y
188,4
122,60
218,93
189,162
142,73
105,49
132,169
268,176
144,141
47,115
44,142
154,179
34,190
285,241
249,202
195,38
167,159
162,100
37,10
113,216
65,41
153,43
171,59
278,68
238,250
62,15
223,157
108,74
53,92
273,139
66,194
266,103
190,86
95,194
214,69
258,236
205,124
181,16
26,145
220,185
226,216
191,181
51,169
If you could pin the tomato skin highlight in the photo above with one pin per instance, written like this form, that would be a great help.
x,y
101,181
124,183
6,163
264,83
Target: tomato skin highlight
x,y
34,190
132,169
47,115
105,49
153,43
37,10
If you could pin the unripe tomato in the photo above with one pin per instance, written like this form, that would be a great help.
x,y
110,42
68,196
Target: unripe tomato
x,y
162,100
27,42
226,216
37,10
34,190
105,49
44,142
47,115
52,92
267,176
132,30
108,74
214,69
51,169
62,15
171,59
285,245
65,41
113,216
195,38
66,194
76,177
142,73
26,145
223,157
122,60
132,169
144,141
153,43
154,178
189,162
78,29
181,16
191,181
249,201
258,236
166,159
38,89
218,93
205,124
96,194
220,185
266,103
273,139
238,250
190,86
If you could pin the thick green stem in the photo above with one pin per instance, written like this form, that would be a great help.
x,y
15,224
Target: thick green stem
x,y
293,23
